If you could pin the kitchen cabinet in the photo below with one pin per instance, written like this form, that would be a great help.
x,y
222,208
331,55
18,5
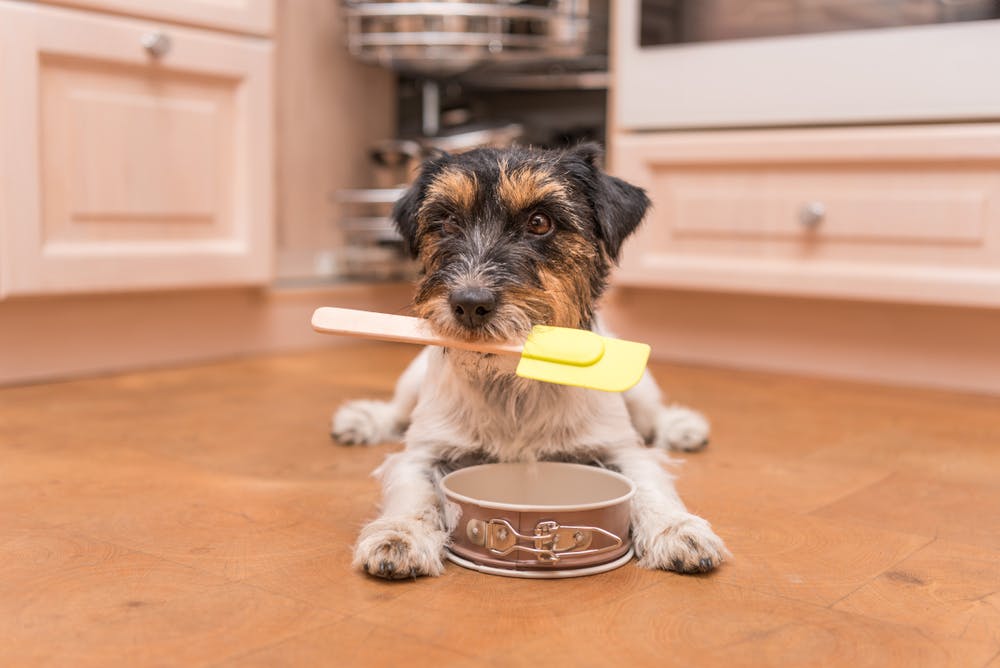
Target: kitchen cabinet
x,y
137,155
893,213
833,154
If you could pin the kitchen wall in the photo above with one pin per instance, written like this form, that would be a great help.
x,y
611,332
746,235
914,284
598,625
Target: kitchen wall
x,y
330,109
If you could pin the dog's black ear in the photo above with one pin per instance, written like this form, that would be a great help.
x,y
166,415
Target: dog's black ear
x,y
404,213
619,207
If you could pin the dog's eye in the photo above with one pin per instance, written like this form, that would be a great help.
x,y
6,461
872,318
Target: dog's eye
x,y
539,224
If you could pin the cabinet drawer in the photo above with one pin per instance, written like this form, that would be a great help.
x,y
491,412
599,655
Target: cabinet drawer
x,y
813,205
131,170
900,213
255,17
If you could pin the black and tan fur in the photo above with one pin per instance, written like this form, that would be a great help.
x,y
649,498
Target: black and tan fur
x,y
465,220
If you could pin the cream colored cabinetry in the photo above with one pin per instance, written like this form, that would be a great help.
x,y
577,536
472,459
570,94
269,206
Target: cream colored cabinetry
x,y
135,154
898,213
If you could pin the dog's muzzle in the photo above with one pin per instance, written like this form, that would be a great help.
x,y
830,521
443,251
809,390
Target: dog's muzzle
x,y
540,520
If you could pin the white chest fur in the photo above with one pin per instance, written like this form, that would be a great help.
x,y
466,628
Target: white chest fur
x,y
476,403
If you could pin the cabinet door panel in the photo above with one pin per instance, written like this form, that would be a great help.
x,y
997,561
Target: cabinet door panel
x,y
145,172
129,156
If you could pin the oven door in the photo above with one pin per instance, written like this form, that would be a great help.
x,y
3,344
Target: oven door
x,y
864,69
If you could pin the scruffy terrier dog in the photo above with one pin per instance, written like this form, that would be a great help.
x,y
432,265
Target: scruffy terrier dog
x,y
508,239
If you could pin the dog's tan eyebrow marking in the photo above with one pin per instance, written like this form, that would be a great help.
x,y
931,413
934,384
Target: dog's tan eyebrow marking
x,y
455,187
527,185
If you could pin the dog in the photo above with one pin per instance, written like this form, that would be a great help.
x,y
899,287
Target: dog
x,y
507,239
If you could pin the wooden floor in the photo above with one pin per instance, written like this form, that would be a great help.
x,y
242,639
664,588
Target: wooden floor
x,y
202,516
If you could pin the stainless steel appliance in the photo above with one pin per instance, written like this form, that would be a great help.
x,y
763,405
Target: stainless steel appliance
x,y
685,21
451,36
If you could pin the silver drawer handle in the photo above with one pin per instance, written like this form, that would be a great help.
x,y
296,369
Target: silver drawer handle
x,y
811,214
157,43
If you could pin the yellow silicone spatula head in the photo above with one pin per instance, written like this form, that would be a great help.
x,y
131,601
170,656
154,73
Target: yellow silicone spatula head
x,y
581,358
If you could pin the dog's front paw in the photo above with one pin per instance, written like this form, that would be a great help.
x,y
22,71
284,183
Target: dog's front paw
x,y
688,546
680,428
399,548
365,422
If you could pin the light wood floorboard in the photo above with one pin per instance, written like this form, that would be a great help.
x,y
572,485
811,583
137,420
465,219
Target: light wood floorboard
x,y
202,516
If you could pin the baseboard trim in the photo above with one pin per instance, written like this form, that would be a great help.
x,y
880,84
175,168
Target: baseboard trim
x,y
57,338
896,344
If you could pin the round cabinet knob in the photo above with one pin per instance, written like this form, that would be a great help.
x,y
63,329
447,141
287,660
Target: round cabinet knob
x,y
157,43
811,214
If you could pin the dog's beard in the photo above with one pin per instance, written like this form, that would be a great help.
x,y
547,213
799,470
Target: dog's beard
x,y
510,323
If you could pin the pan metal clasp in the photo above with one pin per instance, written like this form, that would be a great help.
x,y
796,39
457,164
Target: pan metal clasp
x,y
550,541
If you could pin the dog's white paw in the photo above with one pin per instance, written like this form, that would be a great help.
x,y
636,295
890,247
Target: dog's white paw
x,y
366,422
397,548
687,546
680,428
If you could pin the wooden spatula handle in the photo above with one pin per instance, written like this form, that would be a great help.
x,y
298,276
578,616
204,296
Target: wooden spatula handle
x,y
386,327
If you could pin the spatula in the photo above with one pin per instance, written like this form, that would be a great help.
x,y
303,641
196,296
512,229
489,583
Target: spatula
x,y
551,354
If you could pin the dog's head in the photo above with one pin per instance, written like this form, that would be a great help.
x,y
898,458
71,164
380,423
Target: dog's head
x,y
512,238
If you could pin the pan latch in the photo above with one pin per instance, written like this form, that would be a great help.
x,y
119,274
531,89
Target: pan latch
x,y
550,541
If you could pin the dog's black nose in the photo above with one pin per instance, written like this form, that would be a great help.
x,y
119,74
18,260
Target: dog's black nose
x,y
472,306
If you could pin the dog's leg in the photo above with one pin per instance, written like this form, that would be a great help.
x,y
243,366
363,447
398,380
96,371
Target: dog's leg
x,y
672,427
366,421
664,533
409,538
